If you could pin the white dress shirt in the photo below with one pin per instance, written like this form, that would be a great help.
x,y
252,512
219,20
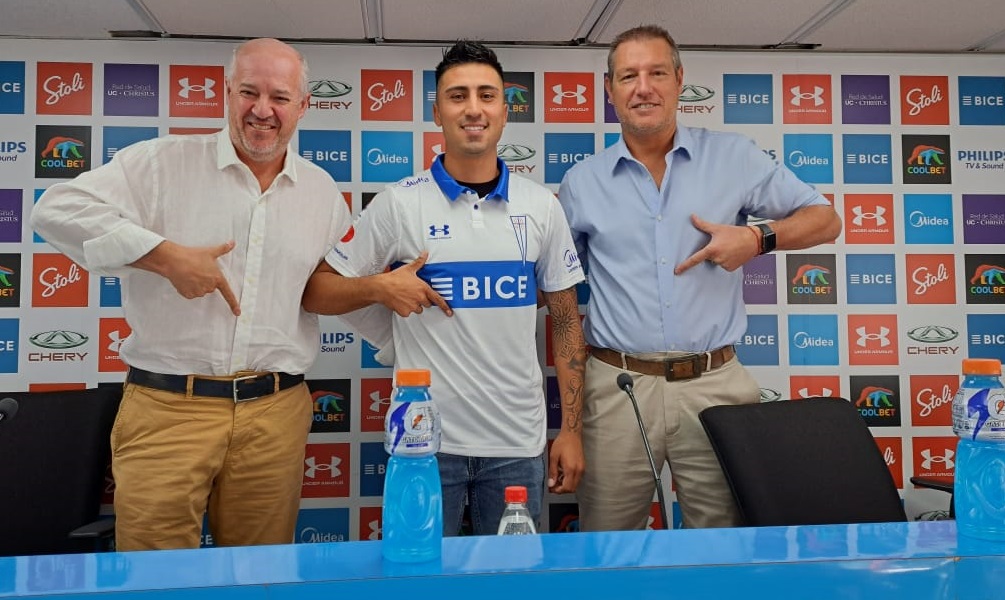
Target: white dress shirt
x,y
193,190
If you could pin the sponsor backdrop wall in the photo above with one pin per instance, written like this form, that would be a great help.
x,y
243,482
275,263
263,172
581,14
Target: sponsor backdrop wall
x,y
908,148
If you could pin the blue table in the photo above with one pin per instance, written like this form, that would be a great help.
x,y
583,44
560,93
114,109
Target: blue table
x,y
917,560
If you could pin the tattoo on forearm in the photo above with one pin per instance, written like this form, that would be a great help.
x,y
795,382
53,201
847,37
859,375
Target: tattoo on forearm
x,y
569,354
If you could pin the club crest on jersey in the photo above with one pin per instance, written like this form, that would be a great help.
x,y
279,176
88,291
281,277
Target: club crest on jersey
x,y
520,231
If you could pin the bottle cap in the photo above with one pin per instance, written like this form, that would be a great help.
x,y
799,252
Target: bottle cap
x,y
412,377
982,366
516,493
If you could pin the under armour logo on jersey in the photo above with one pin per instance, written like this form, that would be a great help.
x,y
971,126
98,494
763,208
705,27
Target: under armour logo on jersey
x,y
798,95
946,460
206,87
439,233
561,94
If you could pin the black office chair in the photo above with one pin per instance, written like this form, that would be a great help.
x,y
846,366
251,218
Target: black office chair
x,y
802,462
54,452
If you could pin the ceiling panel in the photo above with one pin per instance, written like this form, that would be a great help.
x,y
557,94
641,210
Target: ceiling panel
x,y
92,19
523,20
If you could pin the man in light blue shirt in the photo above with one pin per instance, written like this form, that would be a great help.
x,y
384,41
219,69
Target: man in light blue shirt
x,y
661,221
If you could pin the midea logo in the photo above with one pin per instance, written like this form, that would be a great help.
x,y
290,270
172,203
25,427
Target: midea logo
x,y
933,334
514,152
58,339
328,88
695,93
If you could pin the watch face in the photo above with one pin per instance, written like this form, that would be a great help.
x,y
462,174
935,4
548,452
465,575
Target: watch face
x,y
767,239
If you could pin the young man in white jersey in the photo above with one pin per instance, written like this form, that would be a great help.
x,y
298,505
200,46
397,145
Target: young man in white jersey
x,y
481,245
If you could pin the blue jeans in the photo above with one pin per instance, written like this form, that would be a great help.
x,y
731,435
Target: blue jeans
x,y
483,481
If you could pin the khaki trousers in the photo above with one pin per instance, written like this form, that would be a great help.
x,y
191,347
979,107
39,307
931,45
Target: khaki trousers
x,y
616,492
175,457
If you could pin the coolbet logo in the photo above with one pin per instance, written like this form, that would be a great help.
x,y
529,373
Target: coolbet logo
x,y
934,456
518,92
877,398
57,345
811,279
111,334
928,218
326,471
568,97
759,344
872,340
983,218
131,90
931,278
982,100
814,386
387,155
387,95
62,152
867,158
562,150
749,99
926,159
63,88
329,150
813,340
10,280
807,99
872,279
58,281
986,278
932,400
810,156
868,219
11,87
865,99
924,100
332,406
375,397
196,91
323,94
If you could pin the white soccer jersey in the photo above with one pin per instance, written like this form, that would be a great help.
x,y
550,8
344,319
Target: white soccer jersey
x,y
487,258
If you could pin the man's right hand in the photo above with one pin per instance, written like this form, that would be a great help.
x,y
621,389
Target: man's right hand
x,y
405,293
193,271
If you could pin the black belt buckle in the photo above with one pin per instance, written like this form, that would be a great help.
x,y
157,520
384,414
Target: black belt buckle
x,y
252,384
695,360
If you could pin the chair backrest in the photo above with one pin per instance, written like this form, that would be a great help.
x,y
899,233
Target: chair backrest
x,y
802,462
53,456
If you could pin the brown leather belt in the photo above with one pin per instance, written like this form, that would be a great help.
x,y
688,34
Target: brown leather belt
x,y
688,366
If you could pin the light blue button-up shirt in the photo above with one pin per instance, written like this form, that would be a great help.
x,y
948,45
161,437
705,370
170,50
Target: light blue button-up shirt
x,y
632,234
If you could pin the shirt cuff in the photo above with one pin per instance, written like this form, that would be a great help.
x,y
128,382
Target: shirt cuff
x,y
120,247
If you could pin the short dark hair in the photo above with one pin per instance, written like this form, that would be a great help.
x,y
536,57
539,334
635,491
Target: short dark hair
x,y
464,52
643,32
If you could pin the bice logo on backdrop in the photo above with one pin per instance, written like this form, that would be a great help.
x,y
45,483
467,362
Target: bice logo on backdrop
x,y
868,219
877,398
982,100
375,397
11,87
872,340
196,91
932,399
62,151
807,99
931,278
58,281
934,456
568,97
111,333
892,449
813,386
387,95
926,159
924,100
332,405
63,88
326,471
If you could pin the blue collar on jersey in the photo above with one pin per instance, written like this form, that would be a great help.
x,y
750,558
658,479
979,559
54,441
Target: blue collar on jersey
x,y
451,189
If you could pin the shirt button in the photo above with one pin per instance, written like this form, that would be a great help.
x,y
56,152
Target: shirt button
x,y
667,304
663,260
659,217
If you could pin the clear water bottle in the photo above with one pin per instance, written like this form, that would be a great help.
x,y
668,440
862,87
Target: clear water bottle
x,y
979,421
413,498
516,519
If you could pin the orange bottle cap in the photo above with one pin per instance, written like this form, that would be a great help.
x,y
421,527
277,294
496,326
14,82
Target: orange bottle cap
x,y
982,366
516,493
412,377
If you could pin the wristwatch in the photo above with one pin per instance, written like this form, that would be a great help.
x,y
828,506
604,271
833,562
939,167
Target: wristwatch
x,y
767,237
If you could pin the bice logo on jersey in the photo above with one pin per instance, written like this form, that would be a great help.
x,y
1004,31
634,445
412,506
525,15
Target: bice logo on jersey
x,y
58,281
63,88
111,334
196,91
812,386
932,399
924,100
892,449
807,99
387,95
931,278
568,97
872,340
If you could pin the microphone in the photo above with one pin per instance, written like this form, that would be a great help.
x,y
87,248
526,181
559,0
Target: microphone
x,y
8,408
625,383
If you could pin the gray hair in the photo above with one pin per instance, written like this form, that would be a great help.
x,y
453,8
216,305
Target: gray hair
x,y
643,32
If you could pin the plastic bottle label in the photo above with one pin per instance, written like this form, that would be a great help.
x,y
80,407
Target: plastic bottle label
x,y
979,414
412,429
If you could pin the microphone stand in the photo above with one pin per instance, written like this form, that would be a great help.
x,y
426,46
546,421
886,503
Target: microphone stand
x,y
626,384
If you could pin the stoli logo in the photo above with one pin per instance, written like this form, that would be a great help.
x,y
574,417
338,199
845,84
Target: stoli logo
x,y
918,100
889,457
389,95
928,400
58,281
58,89
925,279
381,95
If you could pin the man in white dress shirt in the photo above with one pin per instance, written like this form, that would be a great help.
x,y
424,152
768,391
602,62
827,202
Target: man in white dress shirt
x,y
214,237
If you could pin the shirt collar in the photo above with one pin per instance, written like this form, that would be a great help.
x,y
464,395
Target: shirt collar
x,y
226,156
452,190
683,142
